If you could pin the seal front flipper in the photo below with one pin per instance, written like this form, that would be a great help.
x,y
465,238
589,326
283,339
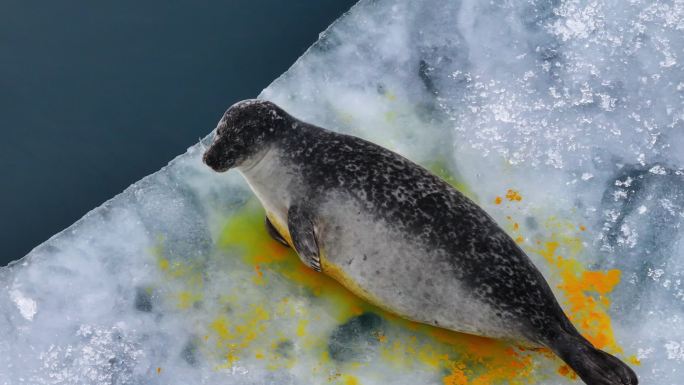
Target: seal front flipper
x,y
273,232
301,227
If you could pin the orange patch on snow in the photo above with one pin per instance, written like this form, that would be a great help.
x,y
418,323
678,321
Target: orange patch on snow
x,y
586,295
513,195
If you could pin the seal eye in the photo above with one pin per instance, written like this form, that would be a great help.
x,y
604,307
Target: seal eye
x,y
221,128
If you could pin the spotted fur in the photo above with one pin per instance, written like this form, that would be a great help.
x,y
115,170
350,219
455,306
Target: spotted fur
x,y
442,259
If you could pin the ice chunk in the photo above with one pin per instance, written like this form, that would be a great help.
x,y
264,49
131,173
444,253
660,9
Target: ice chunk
x,y
563,119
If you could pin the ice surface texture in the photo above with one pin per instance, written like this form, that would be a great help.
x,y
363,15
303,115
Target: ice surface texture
x,y
563,119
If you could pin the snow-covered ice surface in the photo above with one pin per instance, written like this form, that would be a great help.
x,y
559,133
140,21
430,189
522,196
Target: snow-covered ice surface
x,y
563,119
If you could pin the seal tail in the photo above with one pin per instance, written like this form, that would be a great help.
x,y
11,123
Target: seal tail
x,y
593,366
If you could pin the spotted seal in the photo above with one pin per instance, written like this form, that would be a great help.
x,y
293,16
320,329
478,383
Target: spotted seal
x,y
397,235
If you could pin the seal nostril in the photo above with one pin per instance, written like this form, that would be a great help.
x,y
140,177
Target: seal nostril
x,y
206,158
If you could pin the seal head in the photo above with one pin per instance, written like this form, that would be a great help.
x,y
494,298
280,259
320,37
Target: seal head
x,y
244,132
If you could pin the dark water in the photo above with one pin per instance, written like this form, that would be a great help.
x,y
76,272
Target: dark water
x,y
96,95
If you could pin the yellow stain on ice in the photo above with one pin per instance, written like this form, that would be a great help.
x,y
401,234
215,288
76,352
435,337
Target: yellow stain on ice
x,y
390,116
513,195
350,380
185,274
186,299
163,264
301,327
440,168
466,359
233,334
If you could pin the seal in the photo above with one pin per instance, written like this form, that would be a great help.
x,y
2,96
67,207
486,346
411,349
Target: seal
x,y
397,235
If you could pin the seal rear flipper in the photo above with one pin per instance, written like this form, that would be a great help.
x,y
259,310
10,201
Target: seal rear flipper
x,y
273,232
301,227
593,366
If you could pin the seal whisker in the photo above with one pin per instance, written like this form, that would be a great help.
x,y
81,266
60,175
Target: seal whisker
x,y
201,143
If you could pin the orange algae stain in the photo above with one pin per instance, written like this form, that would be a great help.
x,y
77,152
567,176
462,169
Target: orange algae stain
x,y
513,195
408,351
586,293
457,376
259,278
634,360
498,200
464,358
566,371
500,361
475,359
158,370
350,380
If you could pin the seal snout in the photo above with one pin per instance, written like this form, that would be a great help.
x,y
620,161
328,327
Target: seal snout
x,y
208,158
212,158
